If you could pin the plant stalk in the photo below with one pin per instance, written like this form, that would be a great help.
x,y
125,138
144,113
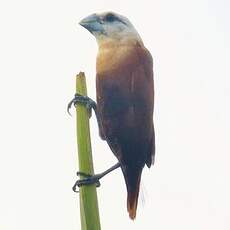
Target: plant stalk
x,y
89,210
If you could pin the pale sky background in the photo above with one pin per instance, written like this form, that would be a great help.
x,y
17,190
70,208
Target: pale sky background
x,y
42,47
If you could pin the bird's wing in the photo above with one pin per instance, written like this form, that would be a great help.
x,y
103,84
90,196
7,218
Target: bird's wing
x,y
125,97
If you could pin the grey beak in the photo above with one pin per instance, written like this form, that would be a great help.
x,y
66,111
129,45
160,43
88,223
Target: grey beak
x,y
92,23
90,19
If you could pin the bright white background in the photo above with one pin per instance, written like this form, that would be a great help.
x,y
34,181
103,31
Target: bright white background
x,y
42,48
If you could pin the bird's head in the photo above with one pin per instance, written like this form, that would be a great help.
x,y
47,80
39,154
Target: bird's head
x,y
110,26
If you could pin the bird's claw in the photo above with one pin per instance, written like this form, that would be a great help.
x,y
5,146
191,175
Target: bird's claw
x,y
78,98
86,181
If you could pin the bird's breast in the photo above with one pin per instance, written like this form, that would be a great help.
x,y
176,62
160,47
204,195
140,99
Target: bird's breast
x,y
115,58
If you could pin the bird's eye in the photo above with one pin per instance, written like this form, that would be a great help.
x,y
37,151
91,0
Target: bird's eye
x,y
110,17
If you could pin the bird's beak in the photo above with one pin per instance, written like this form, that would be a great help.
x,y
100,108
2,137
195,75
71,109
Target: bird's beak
x,y
92,23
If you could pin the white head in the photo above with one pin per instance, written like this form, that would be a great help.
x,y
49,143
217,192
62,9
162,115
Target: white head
x,y
110,26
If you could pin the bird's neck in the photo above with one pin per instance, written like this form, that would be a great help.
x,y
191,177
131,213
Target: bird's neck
x,y
114,42
112,54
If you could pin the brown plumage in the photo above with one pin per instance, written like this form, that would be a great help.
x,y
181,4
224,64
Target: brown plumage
x,y
125,95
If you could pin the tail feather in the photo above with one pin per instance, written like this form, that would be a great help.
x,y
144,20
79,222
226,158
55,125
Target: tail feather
x,y
132,180
132,201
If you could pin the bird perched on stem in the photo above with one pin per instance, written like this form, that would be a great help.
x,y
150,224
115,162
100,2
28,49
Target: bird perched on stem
x,y
125,98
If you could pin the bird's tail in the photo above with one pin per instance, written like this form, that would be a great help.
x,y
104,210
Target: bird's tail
x,y
132,179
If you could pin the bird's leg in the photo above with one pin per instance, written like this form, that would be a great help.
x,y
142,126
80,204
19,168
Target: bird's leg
x,y
88,102
93,179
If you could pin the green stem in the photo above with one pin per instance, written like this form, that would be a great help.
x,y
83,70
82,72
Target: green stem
x,y
90,219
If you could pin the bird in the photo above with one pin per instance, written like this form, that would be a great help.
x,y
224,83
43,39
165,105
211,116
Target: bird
x,y
125,97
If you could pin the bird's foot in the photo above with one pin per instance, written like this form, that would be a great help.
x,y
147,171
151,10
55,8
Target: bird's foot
x,y
88,180
85,100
